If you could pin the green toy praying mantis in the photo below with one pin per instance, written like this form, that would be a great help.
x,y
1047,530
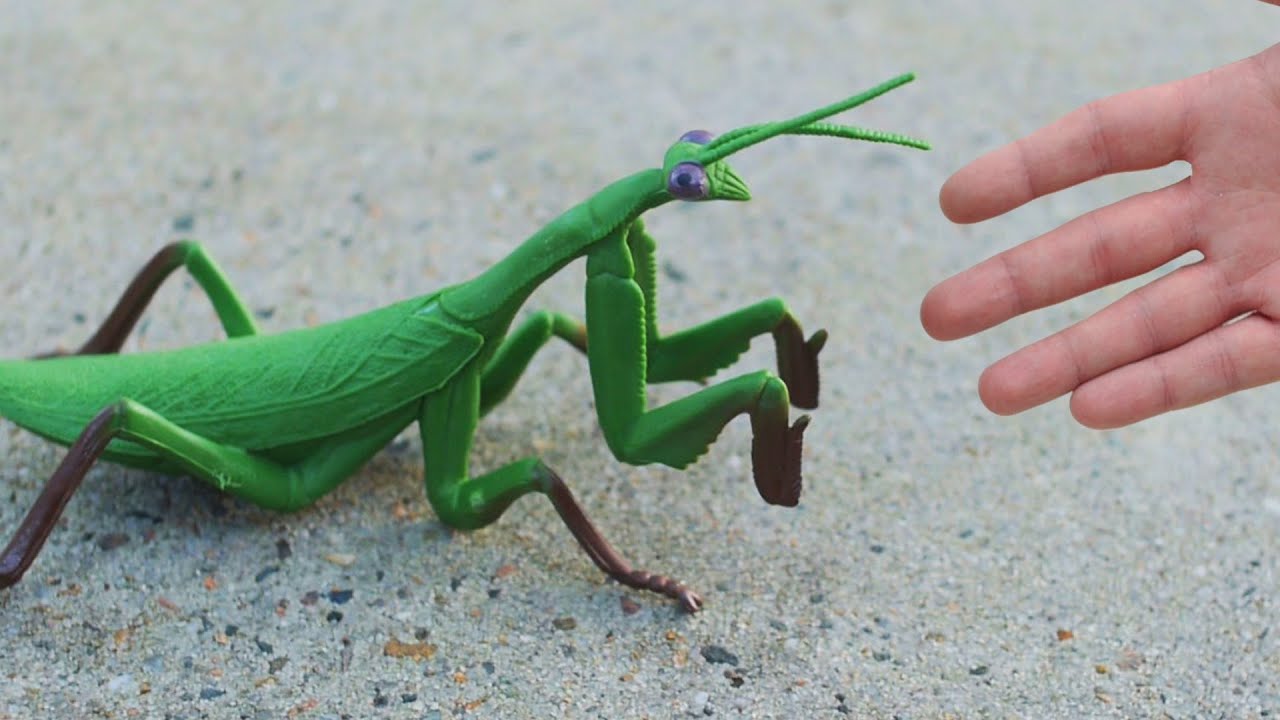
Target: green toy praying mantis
x,y
280,420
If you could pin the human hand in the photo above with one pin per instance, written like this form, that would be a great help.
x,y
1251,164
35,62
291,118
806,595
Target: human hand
x,y
1168,344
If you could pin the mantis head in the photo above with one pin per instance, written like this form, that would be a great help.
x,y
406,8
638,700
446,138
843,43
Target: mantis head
x,y
695,169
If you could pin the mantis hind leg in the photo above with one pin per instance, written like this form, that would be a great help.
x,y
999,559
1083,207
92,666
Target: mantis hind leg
x,y
513,356
447,423
233,470
699,352
235,317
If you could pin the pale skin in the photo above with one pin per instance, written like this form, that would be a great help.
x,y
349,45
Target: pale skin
x,y
1205,330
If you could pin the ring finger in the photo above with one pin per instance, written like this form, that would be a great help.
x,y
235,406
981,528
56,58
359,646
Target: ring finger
x,y
1147,321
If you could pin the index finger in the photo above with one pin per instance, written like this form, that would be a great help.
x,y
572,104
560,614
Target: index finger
x,y
1136,130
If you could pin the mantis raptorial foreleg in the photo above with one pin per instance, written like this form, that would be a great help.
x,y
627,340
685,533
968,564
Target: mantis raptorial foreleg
x,y
679,432
236,319
513,356
699,352
259,480
447,423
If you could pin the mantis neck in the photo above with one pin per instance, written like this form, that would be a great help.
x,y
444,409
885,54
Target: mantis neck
x,y
498,292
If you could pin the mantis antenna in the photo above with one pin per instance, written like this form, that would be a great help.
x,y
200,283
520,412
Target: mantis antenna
x,y
808,124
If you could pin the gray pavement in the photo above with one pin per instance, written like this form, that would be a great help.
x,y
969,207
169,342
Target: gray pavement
x,y
944,563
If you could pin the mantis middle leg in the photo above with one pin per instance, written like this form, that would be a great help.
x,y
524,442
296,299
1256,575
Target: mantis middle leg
x,y
513,356
260,480
447,423
699,352
232,312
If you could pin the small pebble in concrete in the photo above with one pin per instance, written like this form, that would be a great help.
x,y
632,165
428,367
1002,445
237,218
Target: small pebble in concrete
x,y
122,685
112,541
716,654
699,703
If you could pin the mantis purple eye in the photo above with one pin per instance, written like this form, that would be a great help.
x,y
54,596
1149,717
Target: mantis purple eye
x,y
688,181
697,137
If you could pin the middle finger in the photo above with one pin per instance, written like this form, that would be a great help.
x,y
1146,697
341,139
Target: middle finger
x,y
1114,243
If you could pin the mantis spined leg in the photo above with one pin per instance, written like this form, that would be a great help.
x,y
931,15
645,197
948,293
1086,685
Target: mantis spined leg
x,y
699,352
677,433
448,423
236,319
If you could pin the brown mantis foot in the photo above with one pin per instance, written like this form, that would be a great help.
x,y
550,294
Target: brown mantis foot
x,y
603,554
44,514
775,457
798,361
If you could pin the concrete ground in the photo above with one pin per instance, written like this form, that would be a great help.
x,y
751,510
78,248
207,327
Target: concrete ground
x,y
944,562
